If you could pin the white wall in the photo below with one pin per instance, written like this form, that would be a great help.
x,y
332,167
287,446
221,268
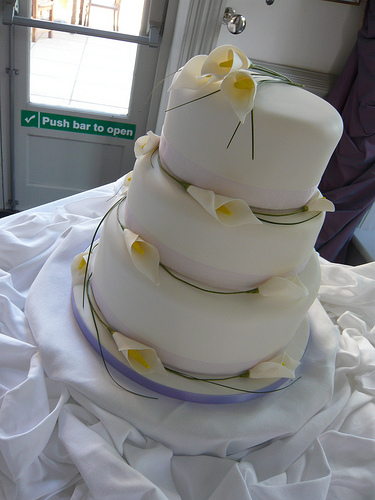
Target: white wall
x,y
315,35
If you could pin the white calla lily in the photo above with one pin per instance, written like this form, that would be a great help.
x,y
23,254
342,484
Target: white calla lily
x,y
320,204
228,211
141,358
239,87
145,256
126,183
223,60
189,76
78,268
282,366
289,287
146,144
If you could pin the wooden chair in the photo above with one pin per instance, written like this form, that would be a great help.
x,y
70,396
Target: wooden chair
x,y
110,4
39,6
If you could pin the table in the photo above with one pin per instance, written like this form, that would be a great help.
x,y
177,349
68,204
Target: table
x,y
68,431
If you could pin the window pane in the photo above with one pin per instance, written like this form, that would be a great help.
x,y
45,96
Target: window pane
x,y
83,72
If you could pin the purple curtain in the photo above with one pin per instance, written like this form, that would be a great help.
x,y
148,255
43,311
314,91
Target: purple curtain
x,y
349,180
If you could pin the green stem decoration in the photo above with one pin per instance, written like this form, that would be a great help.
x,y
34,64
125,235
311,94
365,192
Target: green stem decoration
x,y
267,71
289,223
234,133
193,100
183,184
216,382
218,292
305,208
95,316
252,133
92,245
157,85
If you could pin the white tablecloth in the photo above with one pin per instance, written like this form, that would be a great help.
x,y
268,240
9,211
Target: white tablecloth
x,y
68,431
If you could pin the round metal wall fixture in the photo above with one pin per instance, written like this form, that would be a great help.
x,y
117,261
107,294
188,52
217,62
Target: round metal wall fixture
x,y
236,23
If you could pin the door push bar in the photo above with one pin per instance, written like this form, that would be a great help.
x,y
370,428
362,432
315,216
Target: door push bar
x,y
11,18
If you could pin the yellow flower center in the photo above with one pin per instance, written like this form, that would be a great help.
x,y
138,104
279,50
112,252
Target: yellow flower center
x,y
82,263
135,355
224,210
226,64
244,84
137,246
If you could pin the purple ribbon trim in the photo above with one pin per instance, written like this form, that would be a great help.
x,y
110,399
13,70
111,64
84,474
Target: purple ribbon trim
x,y
171,392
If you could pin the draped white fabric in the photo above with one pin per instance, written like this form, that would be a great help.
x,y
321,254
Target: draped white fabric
x,y
67,431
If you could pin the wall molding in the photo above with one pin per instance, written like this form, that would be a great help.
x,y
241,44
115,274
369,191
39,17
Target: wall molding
x,y
313,81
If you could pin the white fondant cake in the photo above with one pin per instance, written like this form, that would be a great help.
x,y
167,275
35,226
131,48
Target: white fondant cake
x,y
207,257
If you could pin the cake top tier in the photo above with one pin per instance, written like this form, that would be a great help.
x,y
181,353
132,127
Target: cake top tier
x,y
246,132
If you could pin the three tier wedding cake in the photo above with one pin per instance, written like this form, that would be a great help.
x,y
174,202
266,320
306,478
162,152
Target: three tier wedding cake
x,y
205,263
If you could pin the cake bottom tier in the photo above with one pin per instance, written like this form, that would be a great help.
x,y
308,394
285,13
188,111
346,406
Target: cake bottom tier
x,y
192,330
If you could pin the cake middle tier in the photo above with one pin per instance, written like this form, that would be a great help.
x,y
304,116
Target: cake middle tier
x,y
192,330
194,244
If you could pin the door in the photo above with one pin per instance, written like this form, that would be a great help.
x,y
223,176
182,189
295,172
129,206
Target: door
x,y
67,136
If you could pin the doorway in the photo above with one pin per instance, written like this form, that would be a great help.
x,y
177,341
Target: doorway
x,y
80,100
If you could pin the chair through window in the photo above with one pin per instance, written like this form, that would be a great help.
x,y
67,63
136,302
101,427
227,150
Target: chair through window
x,y
38,7
103,4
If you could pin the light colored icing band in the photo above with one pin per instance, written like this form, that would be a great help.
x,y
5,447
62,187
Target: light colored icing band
x,y
270,199
201,273
168,358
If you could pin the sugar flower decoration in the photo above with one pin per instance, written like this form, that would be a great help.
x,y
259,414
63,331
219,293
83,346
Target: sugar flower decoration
x,y
223,60
228,211
188,77
282,366
320,204
145,256
291,287
126,184
146,144
240,89
78,267
141,358
203,70
228,70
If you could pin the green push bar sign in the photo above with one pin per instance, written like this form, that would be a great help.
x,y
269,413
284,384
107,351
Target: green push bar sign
x,y
67,123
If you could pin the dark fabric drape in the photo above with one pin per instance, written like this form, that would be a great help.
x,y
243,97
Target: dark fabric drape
x,y
349,180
